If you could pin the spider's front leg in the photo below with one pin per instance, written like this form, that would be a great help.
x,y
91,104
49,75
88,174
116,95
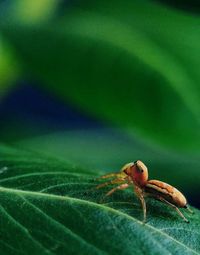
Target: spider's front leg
x,y
115,181
140,194
119,187
120,178
119,175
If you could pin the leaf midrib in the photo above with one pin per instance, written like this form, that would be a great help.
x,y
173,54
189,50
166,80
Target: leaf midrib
x,y
52,196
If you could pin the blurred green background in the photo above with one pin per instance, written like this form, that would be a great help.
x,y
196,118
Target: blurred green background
x,y
102,83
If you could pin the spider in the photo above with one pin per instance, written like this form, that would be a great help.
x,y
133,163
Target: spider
x,y
136,174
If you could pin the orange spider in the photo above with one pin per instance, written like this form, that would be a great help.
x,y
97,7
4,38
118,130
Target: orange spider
x,y
137,174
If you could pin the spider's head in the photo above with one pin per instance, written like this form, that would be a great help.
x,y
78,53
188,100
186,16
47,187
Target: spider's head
x,y
137,171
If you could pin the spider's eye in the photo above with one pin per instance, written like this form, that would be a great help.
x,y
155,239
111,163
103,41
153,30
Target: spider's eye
x,y
140,170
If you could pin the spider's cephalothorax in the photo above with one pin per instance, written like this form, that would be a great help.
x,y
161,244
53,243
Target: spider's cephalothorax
x,y
137,171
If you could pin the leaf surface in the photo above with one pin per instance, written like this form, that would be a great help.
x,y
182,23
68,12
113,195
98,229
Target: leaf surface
x,y
47,206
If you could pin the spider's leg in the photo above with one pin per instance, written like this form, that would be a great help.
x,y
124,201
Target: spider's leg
x,y
188,208
120,187
118,180
143,207
140,195
110,175
173,206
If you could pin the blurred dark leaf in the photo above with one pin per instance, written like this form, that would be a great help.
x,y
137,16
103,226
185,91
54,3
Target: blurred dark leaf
x,y
28,12
10,68
133,63
22,12
186,5
47,207
28,111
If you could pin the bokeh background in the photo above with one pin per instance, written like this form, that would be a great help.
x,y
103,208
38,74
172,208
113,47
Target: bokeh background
x,y
102,83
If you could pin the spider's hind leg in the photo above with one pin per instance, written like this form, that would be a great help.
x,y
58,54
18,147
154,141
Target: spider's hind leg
x,y
173,206
188,208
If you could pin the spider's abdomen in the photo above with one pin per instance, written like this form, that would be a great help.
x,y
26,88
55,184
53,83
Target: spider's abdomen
x,y
157,188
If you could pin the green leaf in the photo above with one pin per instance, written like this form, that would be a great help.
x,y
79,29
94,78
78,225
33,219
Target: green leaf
x,y
47,206
123,64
